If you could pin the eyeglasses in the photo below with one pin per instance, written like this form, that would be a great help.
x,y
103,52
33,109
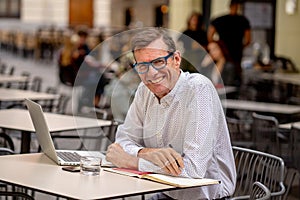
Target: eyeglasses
x,y
157,64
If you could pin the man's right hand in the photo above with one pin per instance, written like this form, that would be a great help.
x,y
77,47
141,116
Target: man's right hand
x,y
116,155
166,158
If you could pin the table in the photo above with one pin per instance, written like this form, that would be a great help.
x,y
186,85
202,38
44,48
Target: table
x,y
289,78
289,82
226,90
12,78
260,106
7,95
288,126
18,119
36,171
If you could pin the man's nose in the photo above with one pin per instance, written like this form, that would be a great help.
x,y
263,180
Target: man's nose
x,y
152,70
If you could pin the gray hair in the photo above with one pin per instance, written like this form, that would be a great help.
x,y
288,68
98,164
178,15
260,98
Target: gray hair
x,y
143,38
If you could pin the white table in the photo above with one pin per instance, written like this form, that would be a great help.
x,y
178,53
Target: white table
x,y
226,90
264,107
289,78
7,95
289,125
36,171
13,78
18,119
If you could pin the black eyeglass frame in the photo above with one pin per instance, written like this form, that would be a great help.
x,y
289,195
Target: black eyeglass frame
x,y
151,63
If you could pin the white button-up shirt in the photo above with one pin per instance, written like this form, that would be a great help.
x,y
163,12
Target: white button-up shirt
x,y
192,120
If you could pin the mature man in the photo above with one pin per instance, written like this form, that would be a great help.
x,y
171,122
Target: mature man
x,y
175,124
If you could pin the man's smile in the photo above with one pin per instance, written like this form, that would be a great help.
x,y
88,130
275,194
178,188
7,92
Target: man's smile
x,y
155,81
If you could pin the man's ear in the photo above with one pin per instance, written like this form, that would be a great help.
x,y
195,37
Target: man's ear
x,y
177,58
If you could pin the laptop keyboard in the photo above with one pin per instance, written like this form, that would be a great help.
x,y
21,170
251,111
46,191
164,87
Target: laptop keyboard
x,y
69,156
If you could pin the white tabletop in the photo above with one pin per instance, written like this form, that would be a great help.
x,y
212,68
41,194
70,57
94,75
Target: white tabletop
x,y
260,106
12,78
18,119
292,78
289,125
226,90
7,94
36,171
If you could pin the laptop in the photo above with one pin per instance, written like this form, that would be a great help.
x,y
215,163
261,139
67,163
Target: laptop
x,y
61,157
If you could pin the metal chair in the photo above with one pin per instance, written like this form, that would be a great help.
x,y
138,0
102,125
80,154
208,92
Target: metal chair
x,y
6,141
259,191
36,84
16,195
295,147
15,192
252,166
265,133
240,132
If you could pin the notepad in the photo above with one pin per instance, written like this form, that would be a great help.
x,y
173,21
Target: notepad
x,y
165,179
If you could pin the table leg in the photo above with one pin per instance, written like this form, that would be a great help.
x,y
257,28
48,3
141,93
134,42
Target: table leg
x,y
25,142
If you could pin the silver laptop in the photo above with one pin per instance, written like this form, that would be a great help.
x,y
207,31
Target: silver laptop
x,y
61,157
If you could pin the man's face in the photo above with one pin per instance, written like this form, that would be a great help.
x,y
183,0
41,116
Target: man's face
x,y
161,81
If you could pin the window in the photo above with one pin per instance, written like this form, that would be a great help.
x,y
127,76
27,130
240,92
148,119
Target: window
x,y
10,8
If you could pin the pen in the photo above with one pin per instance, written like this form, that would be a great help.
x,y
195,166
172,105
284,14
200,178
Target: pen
x,y
181,155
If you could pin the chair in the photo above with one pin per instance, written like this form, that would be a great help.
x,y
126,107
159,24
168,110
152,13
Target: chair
x,y
265,133
49,105
252,166
3,68
6,151
239,132
6,141
259,191
295,146
19,192
24,86
36,84
16,195
295,149
62,104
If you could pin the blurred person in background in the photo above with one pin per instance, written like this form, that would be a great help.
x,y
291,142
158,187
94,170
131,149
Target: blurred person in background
x,y
234,30
193,41
67,73
221,71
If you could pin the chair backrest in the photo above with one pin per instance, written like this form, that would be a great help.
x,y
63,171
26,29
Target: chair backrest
x,y
6,141
295,146
3,68
264,132
239,130
252,166
6,151
36,84
16,195
24,86
62,103
259,191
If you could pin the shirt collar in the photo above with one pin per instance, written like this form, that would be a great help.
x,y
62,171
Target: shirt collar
x,y
172,94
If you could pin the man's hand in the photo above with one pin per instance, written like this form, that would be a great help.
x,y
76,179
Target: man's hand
x,y
116,155
166,158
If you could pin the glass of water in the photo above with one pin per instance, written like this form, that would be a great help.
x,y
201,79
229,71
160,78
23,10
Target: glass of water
x,y
90,165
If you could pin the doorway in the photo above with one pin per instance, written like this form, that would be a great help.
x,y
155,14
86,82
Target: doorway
x,y
81,13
